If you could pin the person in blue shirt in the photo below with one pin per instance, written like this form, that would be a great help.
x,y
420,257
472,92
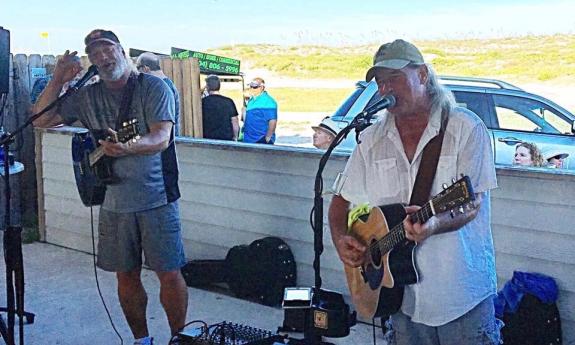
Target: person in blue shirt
x,y
150,63
41,83
261,115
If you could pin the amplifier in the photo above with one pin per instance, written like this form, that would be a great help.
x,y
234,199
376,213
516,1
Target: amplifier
x,y
228,333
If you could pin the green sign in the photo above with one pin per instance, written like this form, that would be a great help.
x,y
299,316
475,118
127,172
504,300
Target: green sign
x,y
209,63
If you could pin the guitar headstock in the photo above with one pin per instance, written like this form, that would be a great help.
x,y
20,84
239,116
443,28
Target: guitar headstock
x,y
130,131
454,196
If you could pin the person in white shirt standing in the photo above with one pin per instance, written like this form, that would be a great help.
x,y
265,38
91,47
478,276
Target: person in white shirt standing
x,y
452,303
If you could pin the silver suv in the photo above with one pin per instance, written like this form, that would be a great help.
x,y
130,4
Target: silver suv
x,y
511,114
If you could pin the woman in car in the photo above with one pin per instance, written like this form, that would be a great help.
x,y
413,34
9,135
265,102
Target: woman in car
x,y
528,154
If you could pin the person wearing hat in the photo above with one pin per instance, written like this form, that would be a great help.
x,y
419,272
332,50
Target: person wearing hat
x,y
220,116
324,133
261,115
452,301
555,158
140,212
150,63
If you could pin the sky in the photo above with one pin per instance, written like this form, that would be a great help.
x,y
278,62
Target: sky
x,y
199,25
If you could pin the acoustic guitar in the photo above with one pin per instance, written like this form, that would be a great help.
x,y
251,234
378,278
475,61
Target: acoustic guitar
x,y
377,286
92,168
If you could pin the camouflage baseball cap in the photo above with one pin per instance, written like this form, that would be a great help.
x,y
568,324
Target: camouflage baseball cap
x,y
100,35
395,55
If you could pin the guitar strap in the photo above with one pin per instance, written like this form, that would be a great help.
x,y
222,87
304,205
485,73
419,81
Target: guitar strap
x,y
127,95
428,166
421,192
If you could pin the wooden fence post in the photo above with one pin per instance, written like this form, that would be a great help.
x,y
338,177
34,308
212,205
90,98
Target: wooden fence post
x,y
186,77
196,95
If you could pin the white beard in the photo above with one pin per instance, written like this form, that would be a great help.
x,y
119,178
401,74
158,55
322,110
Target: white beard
x,y
116,73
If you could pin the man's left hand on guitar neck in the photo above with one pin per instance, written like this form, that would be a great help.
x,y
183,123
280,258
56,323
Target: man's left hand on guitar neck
x,y
157,140
441,223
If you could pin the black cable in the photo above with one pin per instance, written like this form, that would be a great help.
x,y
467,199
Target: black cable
x,y
220,329
368,323
4,99
373,331
96,276
196,338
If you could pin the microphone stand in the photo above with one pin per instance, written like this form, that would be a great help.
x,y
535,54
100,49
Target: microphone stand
x,y
313,336
13,241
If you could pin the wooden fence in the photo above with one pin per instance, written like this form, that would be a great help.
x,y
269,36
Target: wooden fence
x,y
184,73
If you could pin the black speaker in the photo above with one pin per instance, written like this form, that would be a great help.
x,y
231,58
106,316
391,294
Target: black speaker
x,y
4,60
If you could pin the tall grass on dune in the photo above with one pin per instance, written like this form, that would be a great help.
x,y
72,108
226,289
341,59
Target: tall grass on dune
x,y
535,58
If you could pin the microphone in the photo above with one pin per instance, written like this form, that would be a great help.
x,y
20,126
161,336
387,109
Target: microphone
x,y
92,71
386,102
363,119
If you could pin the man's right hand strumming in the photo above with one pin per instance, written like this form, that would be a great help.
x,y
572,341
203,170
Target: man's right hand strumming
x,y
67,67
350,250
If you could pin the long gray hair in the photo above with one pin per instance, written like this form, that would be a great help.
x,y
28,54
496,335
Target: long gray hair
x,y
440,96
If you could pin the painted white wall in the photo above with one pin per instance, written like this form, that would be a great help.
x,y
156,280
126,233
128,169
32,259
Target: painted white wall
x,y
234,193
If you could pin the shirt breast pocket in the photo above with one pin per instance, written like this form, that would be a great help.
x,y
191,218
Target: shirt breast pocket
x,y
446,172
385,182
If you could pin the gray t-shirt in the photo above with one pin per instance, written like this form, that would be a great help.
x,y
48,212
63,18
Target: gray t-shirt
x,y
143,184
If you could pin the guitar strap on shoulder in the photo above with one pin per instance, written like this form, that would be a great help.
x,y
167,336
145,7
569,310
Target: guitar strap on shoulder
x,y
127,96
428,166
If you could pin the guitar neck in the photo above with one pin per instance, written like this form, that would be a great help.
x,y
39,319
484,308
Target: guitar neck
x,y
397,233
95,156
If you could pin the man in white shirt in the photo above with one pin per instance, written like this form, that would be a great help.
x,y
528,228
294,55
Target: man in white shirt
x,y
452,301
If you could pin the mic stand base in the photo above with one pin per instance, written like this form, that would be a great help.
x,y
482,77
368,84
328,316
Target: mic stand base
x,y
316,340
14,269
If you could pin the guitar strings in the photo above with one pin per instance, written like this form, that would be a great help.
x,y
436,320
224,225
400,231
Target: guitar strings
x,y
397,233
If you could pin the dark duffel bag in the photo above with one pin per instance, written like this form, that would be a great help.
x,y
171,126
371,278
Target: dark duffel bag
x,y
200,273
534,323
239,261
261,270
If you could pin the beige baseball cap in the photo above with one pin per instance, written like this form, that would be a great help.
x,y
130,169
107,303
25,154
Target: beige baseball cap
x,y
395,55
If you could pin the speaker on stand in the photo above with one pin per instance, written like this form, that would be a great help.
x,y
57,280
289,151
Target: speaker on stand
x,y
4,61
12,239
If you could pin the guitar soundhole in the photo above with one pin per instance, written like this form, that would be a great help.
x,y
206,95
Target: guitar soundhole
x,y
375,254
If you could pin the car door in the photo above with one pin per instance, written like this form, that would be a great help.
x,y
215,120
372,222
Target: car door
x,y
522,119
479,103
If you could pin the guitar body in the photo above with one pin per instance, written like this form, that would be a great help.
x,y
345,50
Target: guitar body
x,y
377,287
92,169
92,191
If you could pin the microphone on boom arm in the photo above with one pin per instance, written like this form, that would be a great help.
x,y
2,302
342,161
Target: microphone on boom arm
x,y
363,119
92,71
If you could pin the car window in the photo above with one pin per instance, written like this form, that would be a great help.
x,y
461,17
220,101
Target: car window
x,y
346,105
524,114
477,103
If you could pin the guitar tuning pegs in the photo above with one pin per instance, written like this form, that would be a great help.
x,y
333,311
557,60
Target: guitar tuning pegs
x,y
453,180
461,175
452,214
124,124
461,210
444,186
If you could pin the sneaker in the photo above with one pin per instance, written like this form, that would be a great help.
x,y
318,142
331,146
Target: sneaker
x,y
176,340
144,341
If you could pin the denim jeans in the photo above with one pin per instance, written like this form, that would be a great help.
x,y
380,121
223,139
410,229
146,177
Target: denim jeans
x,y
477,327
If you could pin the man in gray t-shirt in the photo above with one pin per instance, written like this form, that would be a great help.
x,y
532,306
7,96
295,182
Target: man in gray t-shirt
x,y
140,212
